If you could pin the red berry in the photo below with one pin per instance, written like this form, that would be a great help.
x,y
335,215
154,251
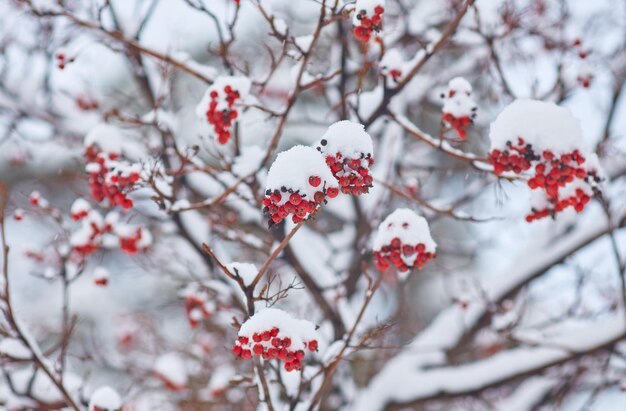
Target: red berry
x,y
315,181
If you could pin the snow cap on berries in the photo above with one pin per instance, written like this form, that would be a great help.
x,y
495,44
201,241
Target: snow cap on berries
x,y
101,276
458,98
80,209
348,138
408,227
403,240
112,139
544,125
105,399
347,150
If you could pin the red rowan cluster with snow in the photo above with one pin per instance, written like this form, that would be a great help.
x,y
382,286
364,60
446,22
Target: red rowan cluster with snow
x,y
312,205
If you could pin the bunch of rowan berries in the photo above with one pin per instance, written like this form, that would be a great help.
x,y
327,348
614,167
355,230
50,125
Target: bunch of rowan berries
x,y
565,179
133,239
280,203
402,256
110,177
88,238
95,231
352,173
459,109
223,118
269,344
298,183
403,240
272,333
365,25
347,150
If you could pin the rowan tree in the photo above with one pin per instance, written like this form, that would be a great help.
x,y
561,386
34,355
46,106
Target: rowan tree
x,y
312,205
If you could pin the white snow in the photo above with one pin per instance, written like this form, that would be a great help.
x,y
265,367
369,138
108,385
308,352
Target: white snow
x,y
112,139
172,368
528,394
348,138
412,383
246,271
41,387
14,348
100,273
248,161
220,379
105,398
544,125
304,42
406,225
79,206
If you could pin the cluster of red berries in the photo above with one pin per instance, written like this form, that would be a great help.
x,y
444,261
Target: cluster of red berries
x,y
107,180
89,247
400,254
353,174
517,158
459,110
222,120
79,215
280,203
551,174
395,74
196,309
366,25
268,344
578,201
459,125
91,242
80,209
101,277
132,244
